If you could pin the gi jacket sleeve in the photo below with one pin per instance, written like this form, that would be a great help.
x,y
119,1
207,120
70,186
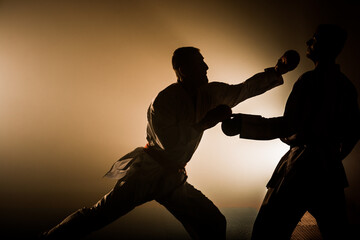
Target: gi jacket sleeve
x,y
259,128
351,123
217,93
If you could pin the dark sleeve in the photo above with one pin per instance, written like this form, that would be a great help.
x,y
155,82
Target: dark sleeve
x,y
260,128
351,123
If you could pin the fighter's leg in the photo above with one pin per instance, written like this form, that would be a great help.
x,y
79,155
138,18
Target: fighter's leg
x,y
329,210
200,217
113,205
278,216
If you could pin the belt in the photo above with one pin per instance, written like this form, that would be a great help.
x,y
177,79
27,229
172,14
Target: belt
x,y
156,155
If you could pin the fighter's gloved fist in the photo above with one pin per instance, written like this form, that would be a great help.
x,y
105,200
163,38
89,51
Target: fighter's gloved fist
x,y
287,62
216,115
219,113
232,126
213,117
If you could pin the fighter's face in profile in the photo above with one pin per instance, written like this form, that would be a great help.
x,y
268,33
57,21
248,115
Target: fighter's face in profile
x,y
313,48
195,71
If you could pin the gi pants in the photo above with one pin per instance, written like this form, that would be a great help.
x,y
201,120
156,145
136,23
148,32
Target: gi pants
x,y
283,208
200,217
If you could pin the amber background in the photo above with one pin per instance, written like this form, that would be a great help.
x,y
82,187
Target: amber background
x,y
76,78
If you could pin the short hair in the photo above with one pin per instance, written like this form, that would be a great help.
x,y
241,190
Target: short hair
x,y
182,55
332,37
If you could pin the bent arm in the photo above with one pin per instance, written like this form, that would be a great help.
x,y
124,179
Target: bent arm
x,y
352,128
213,117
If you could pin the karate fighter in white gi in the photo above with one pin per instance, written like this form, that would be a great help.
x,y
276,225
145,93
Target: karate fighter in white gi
x,y
177,118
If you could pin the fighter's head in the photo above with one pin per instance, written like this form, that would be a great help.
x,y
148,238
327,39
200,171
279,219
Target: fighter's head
x,y
326,43
189,66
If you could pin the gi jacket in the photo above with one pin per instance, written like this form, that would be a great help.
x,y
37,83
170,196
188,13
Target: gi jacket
x,y
171,117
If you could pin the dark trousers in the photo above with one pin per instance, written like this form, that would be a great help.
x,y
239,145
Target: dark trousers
x,y
283,208
200,217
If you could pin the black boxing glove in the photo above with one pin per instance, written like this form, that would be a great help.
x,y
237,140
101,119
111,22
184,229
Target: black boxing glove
x,y
232,126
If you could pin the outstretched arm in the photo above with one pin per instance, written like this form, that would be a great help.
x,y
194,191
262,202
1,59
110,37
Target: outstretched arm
x,y
216,93
256,127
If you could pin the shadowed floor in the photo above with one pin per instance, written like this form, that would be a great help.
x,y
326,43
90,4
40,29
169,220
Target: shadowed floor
x,y
147,222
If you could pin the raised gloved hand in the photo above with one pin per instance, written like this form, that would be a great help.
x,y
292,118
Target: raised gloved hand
x,y
287,62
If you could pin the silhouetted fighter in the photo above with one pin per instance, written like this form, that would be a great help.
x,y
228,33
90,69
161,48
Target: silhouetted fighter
x,y
177,119
321,125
